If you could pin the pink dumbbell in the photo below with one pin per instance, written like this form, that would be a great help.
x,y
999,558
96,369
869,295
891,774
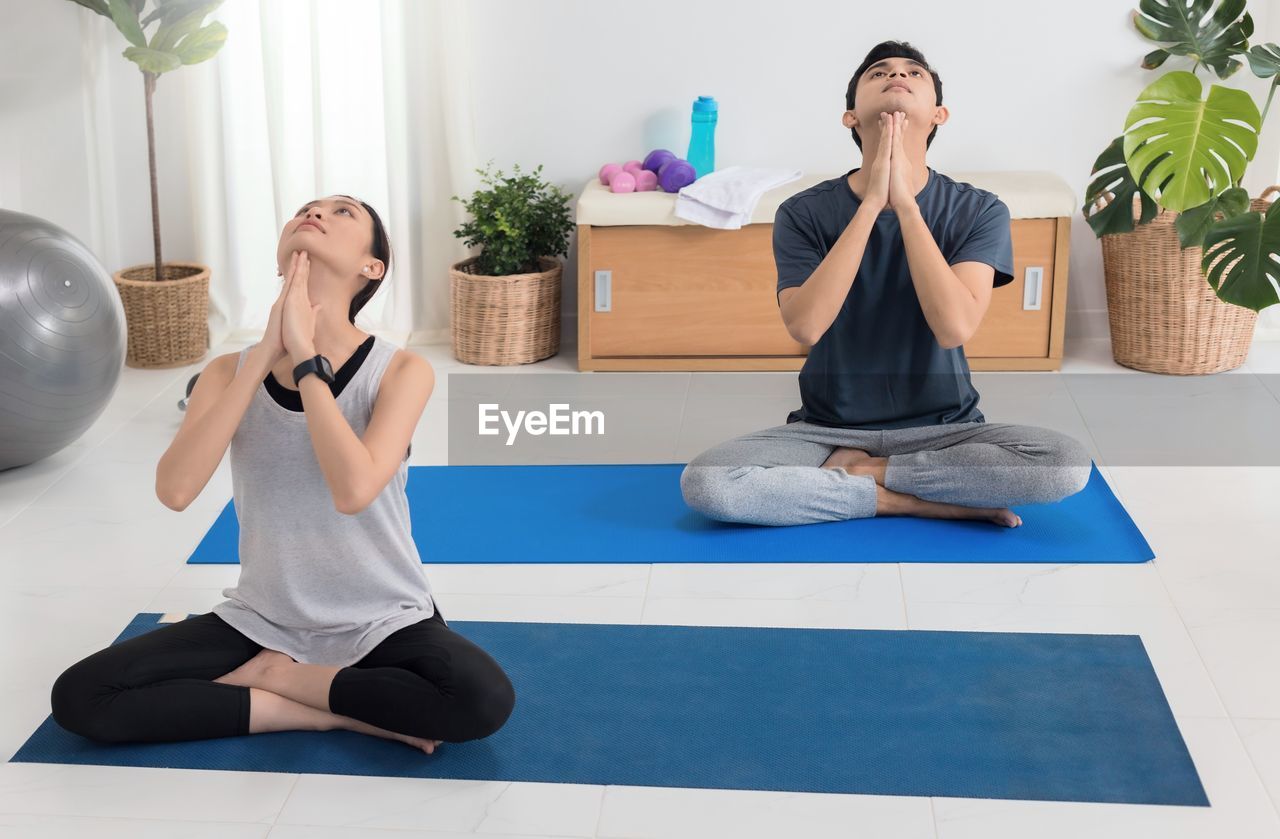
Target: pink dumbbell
x,y
622,181
607,171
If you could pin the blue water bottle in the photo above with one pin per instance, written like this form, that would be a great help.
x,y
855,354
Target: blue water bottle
x,y
702,140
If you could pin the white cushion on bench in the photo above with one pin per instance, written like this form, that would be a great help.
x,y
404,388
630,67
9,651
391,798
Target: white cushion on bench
x,y
1028,194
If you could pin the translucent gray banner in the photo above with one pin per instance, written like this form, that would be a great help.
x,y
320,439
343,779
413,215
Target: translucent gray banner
x,y
1122,418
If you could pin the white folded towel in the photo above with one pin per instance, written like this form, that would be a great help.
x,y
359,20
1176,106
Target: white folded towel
x,y
726,197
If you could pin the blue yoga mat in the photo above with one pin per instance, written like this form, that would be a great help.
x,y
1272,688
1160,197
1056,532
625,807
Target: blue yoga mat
x,y
635,513
1050,717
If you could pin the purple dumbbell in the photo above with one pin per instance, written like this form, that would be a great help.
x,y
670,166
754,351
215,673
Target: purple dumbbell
x,y
675,175
653,160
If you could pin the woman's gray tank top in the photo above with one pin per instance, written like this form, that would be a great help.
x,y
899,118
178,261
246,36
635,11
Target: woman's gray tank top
x,y
321,586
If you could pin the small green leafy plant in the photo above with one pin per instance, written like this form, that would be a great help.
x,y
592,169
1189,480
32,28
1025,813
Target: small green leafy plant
x,y
1188,154
516,220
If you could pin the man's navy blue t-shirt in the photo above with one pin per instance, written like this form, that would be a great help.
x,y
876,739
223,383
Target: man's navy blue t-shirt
x,y
879,365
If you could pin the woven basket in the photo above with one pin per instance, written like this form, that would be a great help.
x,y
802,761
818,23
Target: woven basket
x,y
168,321
513,319
1164,315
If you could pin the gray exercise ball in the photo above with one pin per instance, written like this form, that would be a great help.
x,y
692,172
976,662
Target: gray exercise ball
x,y
62,338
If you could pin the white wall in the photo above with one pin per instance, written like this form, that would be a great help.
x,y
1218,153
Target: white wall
x,y
1031,84
65,116
571,84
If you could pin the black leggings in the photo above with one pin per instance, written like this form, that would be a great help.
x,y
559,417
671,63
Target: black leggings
x,y
424,680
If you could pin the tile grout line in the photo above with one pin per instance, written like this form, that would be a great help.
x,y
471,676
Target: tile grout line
x,y
1216,689
275,820
902,587
1274,393
644,599
1085,422
684,412
595,831
1275,805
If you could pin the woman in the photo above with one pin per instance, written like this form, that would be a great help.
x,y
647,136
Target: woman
x,y
332,624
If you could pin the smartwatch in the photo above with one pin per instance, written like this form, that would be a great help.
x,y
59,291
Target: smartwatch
x,y
316,364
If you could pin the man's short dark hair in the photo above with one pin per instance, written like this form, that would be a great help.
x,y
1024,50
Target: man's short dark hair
x,y
881,51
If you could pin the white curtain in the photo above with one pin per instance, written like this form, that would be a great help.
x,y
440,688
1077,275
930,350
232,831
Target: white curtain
x,y
313,97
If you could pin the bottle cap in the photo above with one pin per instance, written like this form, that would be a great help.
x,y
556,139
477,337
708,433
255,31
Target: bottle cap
x,y
705,104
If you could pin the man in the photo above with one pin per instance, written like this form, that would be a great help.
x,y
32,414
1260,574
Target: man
x,y
885,272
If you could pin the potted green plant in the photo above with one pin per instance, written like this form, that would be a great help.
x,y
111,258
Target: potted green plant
x,y
166,303
505,301
1186,278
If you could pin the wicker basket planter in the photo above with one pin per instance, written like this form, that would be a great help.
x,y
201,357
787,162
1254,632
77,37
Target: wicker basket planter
x,y
1164,315
168,321
513,319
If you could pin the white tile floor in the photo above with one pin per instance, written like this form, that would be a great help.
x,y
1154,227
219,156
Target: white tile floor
x,y
84,546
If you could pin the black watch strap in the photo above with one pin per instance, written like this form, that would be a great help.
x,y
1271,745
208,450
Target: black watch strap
x,y
316,364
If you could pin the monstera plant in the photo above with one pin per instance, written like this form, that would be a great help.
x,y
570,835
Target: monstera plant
x,y
1185,151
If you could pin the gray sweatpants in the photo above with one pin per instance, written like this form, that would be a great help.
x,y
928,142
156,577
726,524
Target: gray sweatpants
x,y
774,477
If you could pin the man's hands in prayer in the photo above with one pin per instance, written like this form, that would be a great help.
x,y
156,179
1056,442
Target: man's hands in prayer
x,y
902,193
891,183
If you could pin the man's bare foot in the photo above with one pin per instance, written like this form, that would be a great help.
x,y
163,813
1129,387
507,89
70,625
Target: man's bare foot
x,y
351,724
250,674
890,503
843,457
857,462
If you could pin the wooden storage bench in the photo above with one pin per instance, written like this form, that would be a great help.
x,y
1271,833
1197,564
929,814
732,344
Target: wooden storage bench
x,y
656,292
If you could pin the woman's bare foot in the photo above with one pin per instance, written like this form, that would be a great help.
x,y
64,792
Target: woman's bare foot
x,y
890,503
350,724
250,674
271,712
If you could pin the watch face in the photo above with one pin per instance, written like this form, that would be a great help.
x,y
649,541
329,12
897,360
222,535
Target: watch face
x,y
318,364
